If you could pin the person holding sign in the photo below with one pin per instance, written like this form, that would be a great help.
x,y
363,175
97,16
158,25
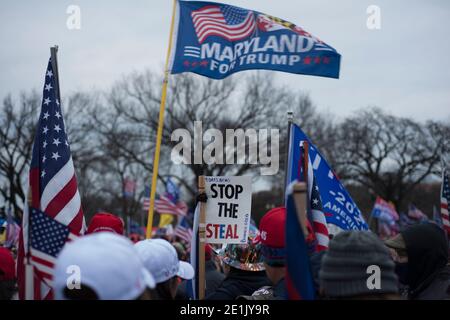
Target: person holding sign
x,y
244,270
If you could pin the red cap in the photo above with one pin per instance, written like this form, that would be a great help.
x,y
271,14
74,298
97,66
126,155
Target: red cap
x,y
272,228
7,265
104,221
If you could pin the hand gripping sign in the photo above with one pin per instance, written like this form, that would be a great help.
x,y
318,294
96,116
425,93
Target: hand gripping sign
x,y
228,209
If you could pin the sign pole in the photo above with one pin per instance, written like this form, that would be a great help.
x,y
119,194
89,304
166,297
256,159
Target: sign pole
x,y
300,204
29,270
202,239
160,129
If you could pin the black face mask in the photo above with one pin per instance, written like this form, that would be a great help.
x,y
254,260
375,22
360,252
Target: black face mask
x,y
401,269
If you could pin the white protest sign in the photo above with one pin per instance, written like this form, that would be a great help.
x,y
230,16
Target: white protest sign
x,y
228,209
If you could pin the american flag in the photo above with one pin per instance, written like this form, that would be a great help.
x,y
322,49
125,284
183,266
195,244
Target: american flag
x,y
224,21
53,185
445,199
317,217
184,230
146,199
164,204
319,222
47,238
415,213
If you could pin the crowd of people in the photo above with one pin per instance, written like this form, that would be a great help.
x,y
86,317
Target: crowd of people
x,y
413,265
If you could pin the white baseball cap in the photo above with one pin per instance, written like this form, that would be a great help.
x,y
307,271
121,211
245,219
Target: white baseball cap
x,y
108,264
161,260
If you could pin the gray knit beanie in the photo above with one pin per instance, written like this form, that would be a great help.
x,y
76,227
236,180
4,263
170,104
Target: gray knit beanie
x,y
344,267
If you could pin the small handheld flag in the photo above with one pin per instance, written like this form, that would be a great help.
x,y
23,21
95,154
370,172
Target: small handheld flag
x,y
445,199
385,211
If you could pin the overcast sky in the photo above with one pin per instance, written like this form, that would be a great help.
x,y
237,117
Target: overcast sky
x,y
404,67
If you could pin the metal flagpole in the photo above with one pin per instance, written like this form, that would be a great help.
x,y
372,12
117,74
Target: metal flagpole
x,y
160,129
290,116
53,55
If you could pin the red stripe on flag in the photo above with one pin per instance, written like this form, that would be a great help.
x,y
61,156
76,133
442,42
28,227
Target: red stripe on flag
x,y
77,223
62,198
320,228
34,186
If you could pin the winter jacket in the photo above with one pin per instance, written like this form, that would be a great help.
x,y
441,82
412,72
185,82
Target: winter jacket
x,y
277,292
239,282
213,279
428,276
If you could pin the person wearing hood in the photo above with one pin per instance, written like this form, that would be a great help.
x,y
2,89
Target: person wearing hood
x,y
7,274
421,256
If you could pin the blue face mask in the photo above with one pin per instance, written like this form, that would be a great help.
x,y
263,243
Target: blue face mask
x,y
401,269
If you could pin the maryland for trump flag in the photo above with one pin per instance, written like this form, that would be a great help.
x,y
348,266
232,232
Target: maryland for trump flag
x,y
216,40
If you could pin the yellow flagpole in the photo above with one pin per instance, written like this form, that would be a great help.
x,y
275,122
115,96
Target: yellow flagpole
x,y
160,129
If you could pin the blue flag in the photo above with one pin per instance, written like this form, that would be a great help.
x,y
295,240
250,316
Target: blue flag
x,y
172,191
338,206
299,279
216,40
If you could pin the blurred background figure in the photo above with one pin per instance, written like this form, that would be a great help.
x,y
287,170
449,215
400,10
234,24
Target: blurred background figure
x,y
104,221
101,266
7,275
134,237
161,260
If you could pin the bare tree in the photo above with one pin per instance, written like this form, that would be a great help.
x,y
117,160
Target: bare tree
x,y
389,155
17,127
128,120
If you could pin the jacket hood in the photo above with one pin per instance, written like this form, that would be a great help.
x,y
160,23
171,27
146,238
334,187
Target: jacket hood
x,y
427,249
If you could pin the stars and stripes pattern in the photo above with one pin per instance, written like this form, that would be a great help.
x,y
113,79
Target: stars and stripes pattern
x,y
319,222
184,231
52,176
445,199
54,193
47,238
146,199
224,21
164,205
